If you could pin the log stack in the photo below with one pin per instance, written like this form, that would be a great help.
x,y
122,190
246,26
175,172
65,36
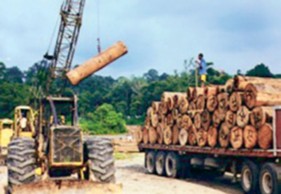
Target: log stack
x,y
237,115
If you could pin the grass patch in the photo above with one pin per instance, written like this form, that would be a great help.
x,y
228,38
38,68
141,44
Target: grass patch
x,y
124,156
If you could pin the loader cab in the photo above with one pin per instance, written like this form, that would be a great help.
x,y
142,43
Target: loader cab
x,y
24,122
59,126
6,133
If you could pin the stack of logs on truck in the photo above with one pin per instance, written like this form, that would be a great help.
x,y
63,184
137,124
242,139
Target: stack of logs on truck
x,y
219,128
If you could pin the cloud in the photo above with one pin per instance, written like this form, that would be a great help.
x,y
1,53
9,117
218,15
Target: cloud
x,y
159,34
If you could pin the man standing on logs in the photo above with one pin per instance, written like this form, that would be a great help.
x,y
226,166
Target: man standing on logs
x,y
202,69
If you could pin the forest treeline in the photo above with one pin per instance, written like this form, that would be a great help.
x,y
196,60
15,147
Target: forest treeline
x,y
123,98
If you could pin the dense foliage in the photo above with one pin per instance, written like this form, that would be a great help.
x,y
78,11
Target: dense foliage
x,y
105,102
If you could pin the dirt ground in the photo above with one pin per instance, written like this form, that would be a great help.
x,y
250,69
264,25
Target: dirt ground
x,y
131,174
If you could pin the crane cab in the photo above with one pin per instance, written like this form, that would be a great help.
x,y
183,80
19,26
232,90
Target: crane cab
x,y
24,122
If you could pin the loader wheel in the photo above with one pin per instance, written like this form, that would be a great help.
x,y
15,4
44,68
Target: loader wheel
x,y
21,161
100,160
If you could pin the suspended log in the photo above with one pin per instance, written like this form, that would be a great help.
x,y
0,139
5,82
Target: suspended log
x,y
243,116
192,140
212,136
183,137
265,136
152,135
168,135
186,122
230,119
250,137
235,101
223,104
262,94
200,102
197,120
160,138
206,120
95,64
260,115
212,103
216,118
175,139
201,137
183,106
224,136
155,107
145,135
139,135
236,137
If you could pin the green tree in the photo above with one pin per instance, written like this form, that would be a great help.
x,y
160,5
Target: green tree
x,y
14,75
104,120
260,71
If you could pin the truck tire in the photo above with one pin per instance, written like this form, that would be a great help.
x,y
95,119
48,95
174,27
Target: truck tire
x,y
172,165
160,163
100,160
150,162
249,177
269,181
21,162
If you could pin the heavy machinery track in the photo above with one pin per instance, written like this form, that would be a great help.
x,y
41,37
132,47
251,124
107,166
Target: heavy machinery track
x,y
21,161
101,160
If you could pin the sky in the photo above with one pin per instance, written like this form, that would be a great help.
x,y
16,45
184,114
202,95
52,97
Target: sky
x,y
160,34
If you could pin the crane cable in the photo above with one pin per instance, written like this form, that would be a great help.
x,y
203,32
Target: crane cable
x,y
98,27
53,35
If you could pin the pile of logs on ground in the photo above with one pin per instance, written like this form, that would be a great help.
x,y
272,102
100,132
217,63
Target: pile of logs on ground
x,y
236,115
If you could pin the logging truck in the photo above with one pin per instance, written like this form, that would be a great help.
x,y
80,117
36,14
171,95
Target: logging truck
x,y
232,128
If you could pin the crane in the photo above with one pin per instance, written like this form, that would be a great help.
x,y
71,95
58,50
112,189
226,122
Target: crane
x,y
59,63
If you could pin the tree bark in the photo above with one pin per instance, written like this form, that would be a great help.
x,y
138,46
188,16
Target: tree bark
x,y
154,119
243,116
192,136
155,107
216,118
239,81
175,139
212,91
184,104
206,120
160,135
183,137
250,137
235,101
202,137
224,136
265,136
260,115
212,136
152,135
186,122
177,99
200,102
197,120
230,119
229,85
145,135
167,97
223,104
212,103
236,137
163,109
168,135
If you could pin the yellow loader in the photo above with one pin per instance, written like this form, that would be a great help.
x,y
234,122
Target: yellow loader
x,y
6,132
